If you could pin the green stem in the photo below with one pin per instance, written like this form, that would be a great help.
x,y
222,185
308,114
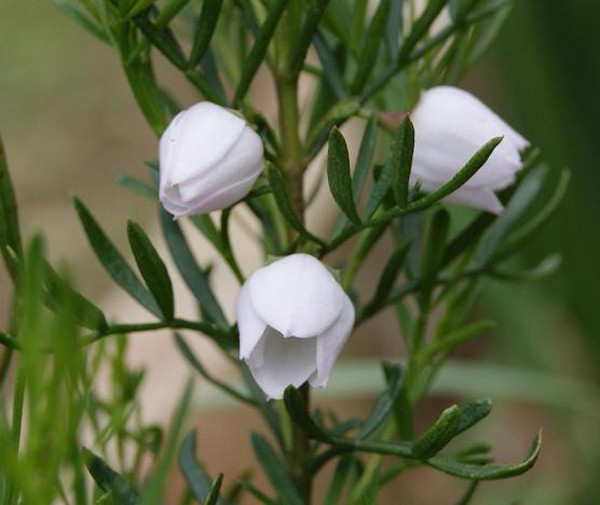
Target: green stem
x,y
175,324
301,454
366,241
292,161
293,165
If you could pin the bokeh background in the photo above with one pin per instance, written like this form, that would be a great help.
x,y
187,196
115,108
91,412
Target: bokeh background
x,y
70,125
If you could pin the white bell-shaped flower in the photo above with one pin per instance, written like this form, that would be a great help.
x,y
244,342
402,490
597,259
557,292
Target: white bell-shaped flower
x,y
293,319
450,126
209,158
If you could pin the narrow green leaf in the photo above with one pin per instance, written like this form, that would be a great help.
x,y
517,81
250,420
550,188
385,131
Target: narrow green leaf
x,y
213,495
142,81
259,50
197,480
108,480
459,9
384,405
338,175
207,227
266,408
370,47
86,313
463,175
278,186
191,358
359,20
469,235
257,493
450,341
10,235
391,271
472,413
192,274
296,407
139,6
163,40
433,253
439,435
170,10
492,471
379,191
388,277
526,231
491,32
363,163
158,479
420,28
152,268
544,269
342,472
364,159
309,27
138,187
275,470
331,72
402,156
394,28
207,22
469,493
89,25
112,260
519,205
337,114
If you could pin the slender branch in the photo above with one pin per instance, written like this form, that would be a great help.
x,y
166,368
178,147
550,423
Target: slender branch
x,y
220,335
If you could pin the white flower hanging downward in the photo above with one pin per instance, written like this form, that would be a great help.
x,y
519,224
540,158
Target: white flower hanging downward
x,y
450,126
293,319
209,158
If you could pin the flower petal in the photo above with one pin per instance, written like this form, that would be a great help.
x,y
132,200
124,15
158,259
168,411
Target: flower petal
x,y
190,145
250,326
330,344
477,198
242,162
278,362
450,126
296,295
224,196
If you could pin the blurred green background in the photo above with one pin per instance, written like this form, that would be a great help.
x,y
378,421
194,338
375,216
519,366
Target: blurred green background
x,y
70,124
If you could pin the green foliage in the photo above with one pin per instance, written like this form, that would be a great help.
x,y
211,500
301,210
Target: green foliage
x,y
366,65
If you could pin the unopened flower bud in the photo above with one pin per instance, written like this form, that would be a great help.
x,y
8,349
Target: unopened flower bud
x,y
209,159
450,126
293,318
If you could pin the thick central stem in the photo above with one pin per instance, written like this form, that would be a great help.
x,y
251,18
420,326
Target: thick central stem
x,y
292,156
293,165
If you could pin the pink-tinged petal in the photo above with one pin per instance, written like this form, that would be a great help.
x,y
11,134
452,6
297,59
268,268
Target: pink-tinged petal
x,y
243,162
278,362
450,126
222,197
172,203
198,138
250,326
477,198
296,295
330,344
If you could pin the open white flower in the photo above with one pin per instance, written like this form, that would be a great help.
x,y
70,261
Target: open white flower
x,y
293,318
209,158
450,126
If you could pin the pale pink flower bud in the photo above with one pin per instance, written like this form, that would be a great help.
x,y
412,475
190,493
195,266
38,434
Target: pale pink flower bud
x,y
450,126
209,159
293,319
